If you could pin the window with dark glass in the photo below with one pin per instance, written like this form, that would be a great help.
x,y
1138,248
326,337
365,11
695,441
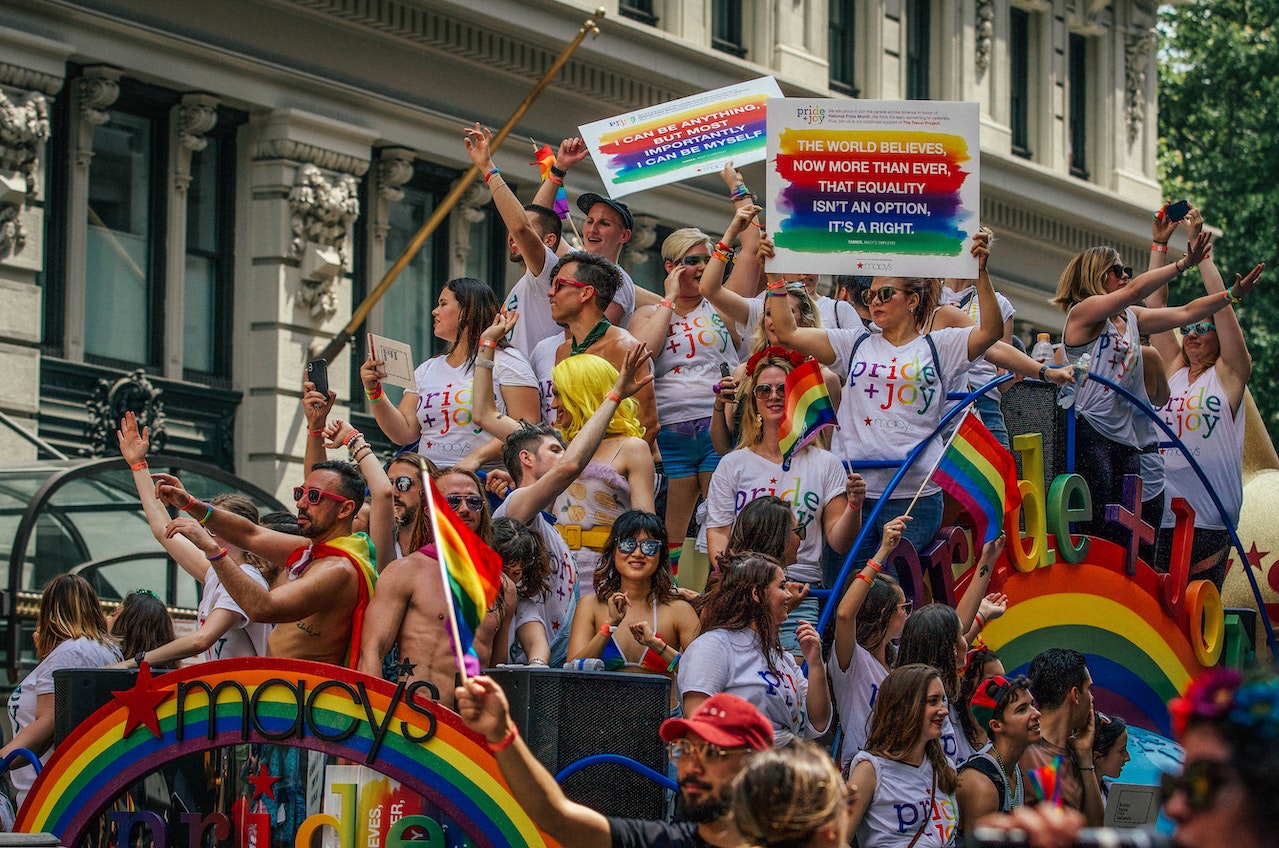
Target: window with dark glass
x,y
1019,80
918,47
726,27
638,10
842,33
1078,106
207,294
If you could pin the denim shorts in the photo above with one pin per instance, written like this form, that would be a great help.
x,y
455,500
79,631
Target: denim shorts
x,y
686,449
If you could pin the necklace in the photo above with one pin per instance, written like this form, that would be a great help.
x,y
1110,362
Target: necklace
x,y
1014,791
597,332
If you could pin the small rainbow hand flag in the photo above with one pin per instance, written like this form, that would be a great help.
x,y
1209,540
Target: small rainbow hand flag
x,y
808,409
545,158
474,569
980,473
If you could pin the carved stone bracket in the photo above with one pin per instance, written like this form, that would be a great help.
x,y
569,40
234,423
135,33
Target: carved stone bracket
x,y
96,90
24,127
111,400
985,32
323,210
394,169
643,237
1138,48
196,114
469,211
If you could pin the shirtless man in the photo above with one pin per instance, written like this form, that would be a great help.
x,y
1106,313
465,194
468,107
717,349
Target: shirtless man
x,y
410,607
320,608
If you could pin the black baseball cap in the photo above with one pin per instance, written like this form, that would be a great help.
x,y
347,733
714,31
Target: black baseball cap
x,y
587,202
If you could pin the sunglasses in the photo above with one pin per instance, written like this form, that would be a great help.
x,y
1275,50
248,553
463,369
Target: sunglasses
x,y
883,294
906,606
764,391
1121,270
648,547
694,260
1200,780
313,495
1200,329
474,503
404,483
801,529
561,282
705,751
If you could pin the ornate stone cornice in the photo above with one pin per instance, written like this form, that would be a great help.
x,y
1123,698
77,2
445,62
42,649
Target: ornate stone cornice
x,y
20,77
309,154
323,210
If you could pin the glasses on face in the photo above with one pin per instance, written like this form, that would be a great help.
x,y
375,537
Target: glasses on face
x,y
403,483
906,606
1200,329
705,751
801,529
883,294
313,495
694,260
764,391
1121,270
561,282
473,502
648,547
1200,781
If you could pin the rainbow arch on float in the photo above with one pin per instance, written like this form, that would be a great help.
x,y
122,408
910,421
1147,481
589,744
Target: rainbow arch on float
x,y
452,768
1139,655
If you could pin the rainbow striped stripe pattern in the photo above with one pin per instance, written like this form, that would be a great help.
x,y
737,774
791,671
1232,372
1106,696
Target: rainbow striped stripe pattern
x,y
545,159
474,569
808,409
979,472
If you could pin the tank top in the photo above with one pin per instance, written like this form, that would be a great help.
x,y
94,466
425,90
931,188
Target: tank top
x,y
1117,357
1199,414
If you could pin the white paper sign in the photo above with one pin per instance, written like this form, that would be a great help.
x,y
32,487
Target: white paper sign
x,y
398,358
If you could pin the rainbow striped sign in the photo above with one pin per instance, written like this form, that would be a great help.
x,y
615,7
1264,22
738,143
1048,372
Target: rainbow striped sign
x,y
279,702
873,187
681,138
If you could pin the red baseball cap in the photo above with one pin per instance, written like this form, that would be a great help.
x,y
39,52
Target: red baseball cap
x,y
725,720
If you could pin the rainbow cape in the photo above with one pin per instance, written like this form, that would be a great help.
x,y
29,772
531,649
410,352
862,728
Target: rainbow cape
x,y
980,473
474,569
358,550
545,158
808,409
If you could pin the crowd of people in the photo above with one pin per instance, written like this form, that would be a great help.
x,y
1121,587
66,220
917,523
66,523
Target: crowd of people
x,y
548,424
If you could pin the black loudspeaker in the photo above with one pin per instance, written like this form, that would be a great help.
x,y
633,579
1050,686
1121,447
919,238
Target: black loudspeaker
x,y
1030,406
78,692
566,715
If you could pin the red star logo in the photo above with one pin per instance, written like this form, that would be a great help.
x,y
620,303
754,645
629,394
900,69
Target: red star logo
x,y
867,422
555,625
263,784
1255,556
859,265
141,702
774,480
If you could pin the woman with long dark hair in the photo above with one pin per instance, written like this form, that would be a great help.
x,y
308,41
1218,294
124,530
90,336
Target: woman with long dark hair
x,y
437,416
740,651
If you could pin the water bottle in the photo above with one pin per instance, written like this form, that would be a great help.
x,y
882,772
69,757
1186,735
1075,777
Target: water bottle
x,y
1066,395
585,664
1043,350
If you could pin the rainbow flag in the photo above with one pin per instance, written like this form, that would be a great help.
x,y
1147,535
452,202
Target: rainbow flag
x,y
474,569
545,158
980,473
808,409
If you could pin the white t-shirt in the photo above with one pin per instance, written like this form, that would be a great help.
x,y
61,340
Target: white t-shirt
x,y
901,806
894,398
980,372
855,690
530,297
1199,414
73,653
689,364
815,476
1117,357
733,661
444,404
555,608
245,638
542,361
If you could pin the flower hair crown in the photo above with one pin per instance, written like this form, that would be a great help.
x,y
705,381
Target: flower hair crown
x,y
794,357
1223,693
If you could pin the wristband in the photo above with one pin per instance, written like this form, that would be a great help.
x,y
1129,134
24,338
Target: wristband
x,y
554,180
1159,246
139,658
354,434
138,466
721,255
207,515
488,343
720,246
607,629
191,501
870,581
870,563
486,364
492,173
854,507
666,303
1231,296
671,668
217,556
374,394
505,742
319,432
1086,768
558,173
1177,265
979,621
613,396
1043,372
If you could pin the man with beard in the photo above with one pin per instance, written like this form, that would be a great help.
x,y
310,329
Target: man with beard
x,y
319,609
405,472
1062,685
990,782
709,748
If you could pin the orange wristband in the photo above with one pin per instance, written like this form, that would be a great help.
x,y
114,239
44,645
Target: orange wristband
x,y
505,742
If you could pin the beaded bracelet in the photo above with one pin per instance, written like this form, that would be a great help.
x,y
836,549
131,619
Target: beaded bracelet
x,y
486,364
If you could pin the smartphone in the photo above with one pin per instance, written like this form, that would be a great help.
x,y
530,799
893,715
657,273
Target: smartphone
x,y
724,370
1177,211
317,372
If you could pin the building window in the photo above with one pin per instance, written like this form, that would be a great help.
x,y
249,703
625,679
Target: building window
x,y
842,34
726,27
918,47
638,10
1078,106
208,286
1019,80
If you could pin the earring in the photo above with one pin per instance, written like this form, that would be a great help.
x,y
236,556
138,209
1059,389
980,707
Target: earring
x,y
759,419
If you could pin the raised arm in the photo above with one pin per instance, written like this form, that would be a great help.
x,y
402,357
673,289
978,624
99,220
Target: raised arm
x,y
572,151
970,603
731,304
855,595
397,423
992,323
1158,320
315,408
483,407
219,622
381,499
247,535
810,341
746,276
527,241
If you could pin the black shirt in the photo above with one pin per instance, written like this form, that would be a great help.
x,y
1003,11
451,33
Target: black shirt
x,y
643,833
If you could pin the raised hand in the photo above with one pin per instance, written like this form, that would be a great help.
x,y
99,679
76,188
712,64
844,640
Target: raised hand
x,y
133,444
477,143
572,151
503,323
627,382
618,604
